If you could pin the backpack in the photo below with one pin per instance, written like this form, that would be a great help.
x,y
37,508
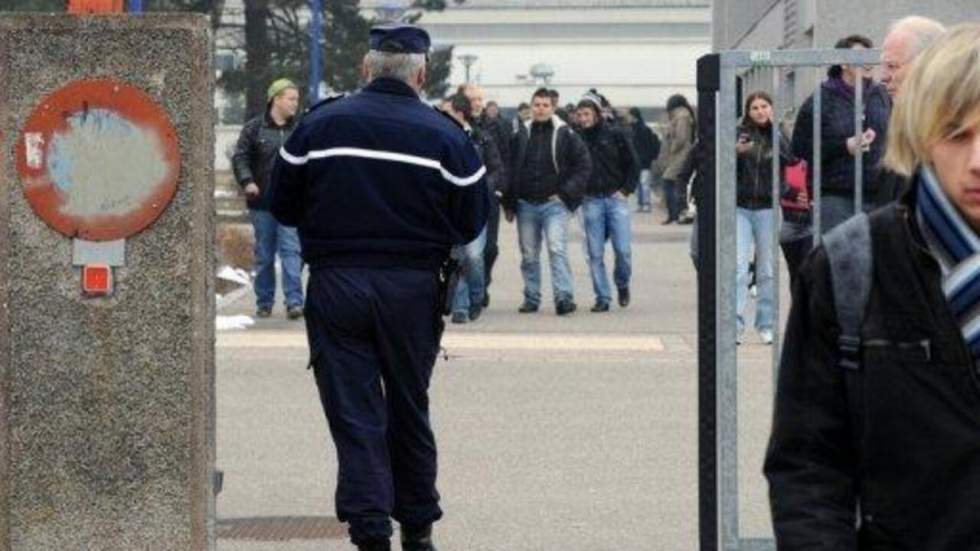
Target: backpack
x,y
848,249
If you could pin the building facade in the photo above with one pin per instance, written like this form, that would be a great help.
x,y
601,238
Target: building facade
x,y
635,52
807,24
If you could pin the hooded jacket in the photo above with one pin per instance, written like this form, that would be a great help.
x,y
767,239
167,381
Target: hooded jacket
x,y
615,166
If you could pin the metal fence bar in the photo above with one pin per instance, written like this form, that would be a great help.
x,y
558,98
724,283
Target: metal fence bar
x,y
799,58
726,313
777,188
817,165
717,283
859,156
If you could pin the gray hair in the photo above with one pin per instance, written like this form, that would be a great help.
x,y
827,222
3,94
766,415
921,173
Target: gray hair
x,y
401,67
922,30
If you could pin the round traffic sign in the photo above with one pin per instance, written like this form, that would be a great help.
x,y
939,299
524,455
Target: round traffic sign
x,y
99,160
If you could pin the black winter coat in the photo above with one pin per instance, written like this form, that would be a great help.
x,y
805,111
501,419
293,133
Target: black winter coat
x,y
837,125
754,188
897,440
571,158
486,145
500,131
646,143
256,151
615,166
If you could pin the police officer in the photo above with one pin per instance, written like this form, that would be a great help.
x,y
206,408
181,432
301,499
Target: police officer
x,y
381,186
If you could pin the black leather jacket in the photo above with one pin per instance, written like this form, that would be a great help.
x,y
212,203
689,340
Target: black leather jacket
x,y
755,167
256,150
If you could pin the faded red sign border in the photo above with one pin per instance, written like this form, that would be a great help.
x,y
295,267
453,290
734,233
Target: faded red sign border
x,y
51,117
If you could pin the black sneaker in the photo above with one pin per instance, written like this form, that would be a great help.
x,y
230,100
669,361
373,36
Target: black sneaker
x,y
375,545
475,312
565,307
624,296
417,539
263,312
600,306
528,308
460,317
294,312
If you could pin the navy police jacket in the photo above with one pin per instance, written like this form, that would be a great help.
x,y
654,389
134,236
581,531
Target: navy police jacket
x,y
379,179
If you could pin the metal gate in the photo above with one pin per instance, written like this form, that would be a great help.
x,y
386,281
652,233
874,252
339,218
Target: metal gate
x,y
720,80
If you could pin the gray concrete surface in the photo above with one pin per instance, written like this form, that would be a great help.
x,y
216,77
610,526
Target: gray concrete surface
x,y
587,443
106,435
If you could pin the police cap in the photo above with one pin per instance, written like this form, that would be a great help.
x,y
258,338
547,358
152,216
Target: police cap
x,y
400,39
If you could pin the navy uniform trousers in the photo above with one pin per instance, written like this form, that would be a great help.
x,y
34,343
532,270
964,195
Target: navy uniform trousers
x,y
374,337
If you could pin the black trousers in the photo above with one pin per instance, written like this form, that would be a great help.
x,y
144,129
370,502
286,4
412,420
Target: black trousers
x,y
374,336
491,251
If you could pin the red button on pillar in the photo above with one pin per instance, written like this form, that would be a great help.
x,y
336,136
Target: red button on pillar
x,y
97,279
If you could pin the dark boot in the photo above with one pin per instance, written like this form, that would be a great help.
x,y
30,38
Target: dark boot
x,y
528,308
374,545
564,307
417,539
624,296
600,306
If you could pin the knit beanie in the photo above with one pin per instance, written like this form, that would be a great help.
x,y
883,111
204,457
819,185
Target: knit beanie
x,y
279,87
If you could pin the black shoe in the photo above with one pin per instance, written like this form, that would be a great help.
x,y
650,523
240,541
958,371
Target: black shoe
x,y
263,312
294,312
486,300
375,545
668,221
460,317
417,539
600,306
528,308
624,296
475,312
565,307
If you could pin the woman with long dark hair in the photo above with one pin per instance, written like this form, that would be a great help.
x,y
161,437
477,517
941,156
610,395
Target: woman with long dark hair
x,y
755,215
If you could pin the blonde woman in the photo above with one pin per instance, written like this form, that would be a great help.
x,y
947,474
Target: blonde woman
x,y
883,452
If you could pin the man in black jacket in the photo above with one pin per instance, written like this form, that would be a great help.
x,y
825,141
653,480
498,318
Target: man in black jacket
x,y
615,170
258,144
647,146
498,130
551,166
469,300
876,438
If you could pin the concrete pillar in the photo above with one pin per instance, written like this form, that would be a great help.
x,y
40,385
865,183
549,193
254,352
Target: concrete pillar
x,y
106,402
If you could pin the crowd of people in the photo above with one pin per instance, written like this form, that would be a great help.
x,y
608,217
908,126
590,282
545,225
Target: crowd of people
x,y
550,162
840,144
876,434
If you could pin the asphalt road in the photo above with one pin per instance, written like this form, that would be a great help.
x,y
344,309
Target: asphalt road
x,y
558,434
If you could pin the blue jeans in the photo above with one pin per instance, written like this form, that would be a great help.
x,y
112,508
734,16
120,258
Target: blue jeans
x,y
607,218
272,237
643,195
754,232
675,197
472,284
548,220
